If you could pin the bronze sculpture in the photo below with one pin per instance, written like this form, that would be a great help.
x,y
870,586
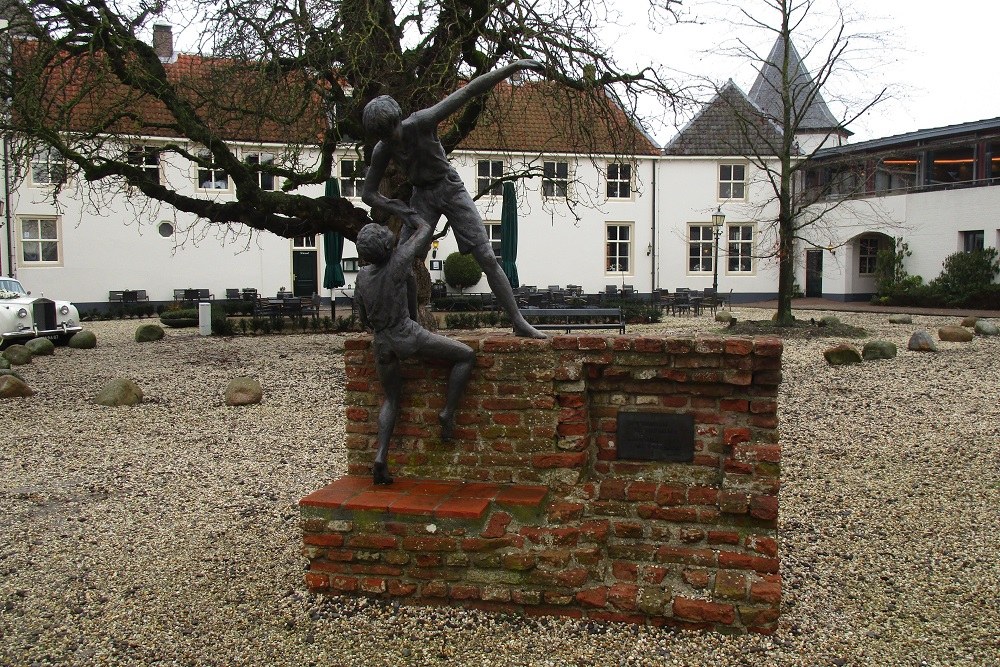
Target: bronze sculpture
x,y
413,144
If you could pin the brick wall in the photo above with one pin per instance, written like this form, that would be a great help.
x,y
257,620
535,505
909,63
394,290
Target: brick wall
x,y
686,544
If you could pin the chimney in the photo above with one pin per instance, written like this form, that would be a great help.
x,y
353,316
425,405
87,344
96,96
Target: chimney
x,y
163,42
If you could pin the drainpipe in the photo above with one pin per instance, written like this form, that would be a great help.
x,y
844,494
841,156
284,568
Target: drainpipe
x,y
11,271
652,231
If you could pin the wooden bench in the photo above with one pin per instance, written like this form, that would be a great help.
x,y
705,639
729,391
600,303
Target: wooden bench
x,y
127,296
575,318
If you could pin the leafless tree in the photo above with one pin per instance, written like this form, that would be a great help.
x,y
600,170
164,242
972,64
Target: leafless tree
x,y
84,80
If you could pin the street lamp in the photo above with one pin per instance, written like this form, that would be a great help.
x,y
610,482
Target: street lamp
x,y
718,219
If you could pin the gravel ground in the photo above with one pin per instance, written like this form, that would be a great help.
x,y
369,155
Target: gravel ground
x,y
167,534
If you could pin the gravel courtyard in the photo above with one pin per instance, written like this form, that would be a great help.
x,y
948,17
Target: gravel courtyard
x,y
167,534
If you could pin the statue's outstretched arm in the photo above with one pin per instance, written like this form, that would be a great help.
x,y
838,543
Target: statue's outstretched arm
x,y
478,86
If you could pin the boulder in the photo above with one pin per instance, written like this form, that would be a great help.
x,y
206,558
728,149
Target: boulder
x,y
40,347
954,334
83,340
841,355
148,332
878,349
921,341
900,318
723,316
4,363
986,328
17,355
970,321
12,386
243,391
119,391
829,321
7,371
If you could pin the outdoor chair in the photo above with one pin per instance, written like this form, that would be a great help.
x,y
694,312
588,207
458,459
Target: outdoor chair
x,y
232,293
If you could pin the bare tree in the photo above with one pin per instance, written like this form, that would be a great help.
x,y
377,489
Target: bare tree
x,y
785,120
85,81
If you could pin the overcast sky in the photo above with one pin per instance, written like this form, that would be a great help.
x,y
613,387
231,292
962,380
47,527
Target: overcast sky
x,y
938,59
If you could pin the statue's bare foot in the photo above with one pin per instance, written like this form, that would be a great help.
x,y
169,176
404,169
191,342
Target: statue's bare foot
x,y
525,330
447,425
380,473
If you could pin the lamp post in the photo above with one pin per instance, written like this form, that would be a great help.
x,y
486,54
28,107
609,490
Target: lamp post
x,y
718,219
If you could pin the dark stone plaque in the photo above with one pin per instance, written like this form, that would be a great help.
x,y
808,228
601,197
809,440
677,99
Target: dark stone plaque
x,y
655,436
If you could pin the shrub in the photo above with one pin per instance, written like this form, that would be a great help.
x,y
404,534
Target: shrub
x,y
461,271
890,274
221,325
966,274
180,318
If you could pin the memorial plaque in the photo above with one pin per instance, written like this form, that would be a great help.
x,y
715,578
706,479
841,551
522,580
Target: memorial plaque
x,y
655,436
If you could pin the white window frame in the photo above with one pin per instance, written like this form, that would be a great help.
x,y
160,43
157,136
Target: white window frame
x,y
147,158
615,183
47,168
493,234
870,257
744,248
213,172
348,179
728,182
613,255
258,158
701,244
972,240
555,186
36,221
307,242
488,183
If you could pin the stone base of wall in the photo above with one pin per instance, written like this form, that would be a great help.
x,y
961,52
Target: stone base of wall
x,y
531,510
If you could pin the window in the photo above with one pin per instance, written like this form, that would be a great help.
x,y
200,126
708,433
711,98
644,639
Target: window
x,y
973,241
210,176
146,158
740,253
165,229
555,179
349,264
618,252
867,255
955,165
264,179
40,241
487,174
493,232
732,181
308,242
47,167
700,248
619,181
352,178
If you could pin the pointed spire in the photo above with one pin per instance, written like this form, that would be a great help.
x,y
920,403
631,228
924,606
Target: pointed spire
x,y
766,91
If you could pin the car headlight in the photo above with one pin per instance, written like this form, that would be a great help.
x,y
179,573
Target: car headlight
x,y
64,310
22,313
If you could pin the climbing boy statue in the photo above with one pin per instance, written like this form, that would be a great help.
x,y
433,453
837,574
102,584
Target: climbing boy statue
x,y
437,188
381,293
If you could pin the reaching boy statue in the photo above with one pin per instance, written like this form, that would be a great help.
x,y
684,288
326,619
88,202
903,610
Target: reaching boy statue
x,y
381,293
413,144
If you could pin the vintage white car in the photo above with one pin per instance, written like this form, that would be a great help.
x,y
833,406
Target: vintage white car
x,y
23,317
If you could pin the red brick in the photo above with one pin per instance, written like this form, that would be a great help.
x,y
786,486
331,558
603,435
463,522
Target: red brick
x,y
763,407
526,496
697,578
703,495
360,343
369,541
323,540
691,535
648,345
669,495
317,582
738,467
738,346
572,400
733,503
623,596
734,405
497,525
762,545
641,491
463,592
401,589
434,589
654,574
560,512
461,508
723,537
595,531
625,571
565,536
613,489
373,585
518,561
572,429
593,597
676,514
627,529
734,436
688,556
702,610
767,377
560,460
575,577
741,561
674,401
764,507
766,592
768,347
592,343
554,557
730,585
345,584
